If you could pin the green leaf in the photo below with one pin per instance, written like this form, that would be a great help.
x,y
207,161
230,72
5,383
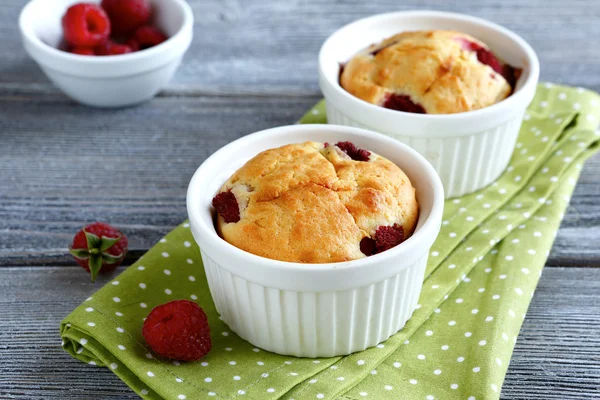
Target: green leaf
x,y
95,264
106,242
81,254
110,259
93,241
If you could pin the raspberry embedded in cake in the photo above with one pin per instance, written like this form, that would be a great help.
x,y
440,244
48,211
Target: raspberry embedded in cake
x,y
485,56
354,152
428,72
386,237
367,246
511,74
404,103
227,206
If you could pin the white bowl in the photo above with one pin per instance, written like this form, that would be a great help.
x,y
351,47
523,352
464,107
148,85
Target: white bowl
x,y
314,310
109,81
469,150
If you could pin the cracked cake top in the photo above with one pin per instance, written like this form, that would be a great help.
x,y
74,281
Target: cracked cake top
x,y
429,72
316,203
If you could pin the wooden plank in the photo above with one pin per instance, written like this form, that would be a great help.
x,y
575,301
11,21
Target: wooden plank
x,y
556,356
252,66
271,47
64,166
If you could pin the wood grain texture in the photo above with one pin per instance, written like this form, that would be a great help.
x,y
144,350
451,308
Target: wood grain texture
x,y
271,47
252,65
556,356
64,166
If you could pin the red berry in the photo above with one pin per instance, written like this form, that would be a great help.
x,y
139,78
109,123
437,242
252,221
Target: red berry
x,y
84,51
404,103
127,15
131,42
367,246
484,55
145,37
354,152
85,24
511,75
386,237
110,48
99,248
178,330
226,204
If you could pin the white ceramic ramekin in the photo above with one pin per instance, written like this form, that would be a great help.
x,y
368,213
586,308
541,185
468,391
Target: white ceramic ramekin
x,y
469,150
314,310
113,81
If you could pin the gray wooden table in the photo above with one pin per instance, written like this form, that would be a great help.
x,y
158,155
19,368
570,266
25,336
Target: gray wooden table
x,y
252,66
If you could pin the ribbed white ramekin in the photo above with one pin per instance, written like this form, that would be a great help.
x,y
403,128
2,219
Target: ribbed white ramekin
x,y
314,310
469,150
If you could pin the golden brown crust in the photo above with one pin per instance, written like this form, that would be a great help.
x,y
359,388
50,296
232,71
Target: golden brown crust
x,y
431,67
313,204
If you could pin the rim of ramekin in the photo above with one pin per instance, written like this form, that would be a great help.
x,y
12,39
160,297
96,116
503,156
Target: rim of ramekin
x,y
517,100
138,58
407,250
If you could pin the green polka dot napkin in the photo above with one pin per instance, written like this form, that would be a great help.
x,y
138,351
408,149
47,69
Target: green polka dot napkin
x,y
482,273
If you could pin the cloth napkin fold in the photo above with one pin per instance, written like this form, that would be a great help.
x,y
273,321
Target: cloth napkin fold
x,y
481,275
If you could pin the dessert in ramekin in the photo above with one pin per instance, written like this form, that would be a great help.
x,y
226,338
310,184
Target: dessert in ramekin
x,y
316,203
468,149
314,310
429,72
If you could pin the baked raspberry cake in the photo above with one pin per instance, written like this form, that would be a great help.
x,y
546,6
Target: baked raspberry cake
x,y
429,72
316,203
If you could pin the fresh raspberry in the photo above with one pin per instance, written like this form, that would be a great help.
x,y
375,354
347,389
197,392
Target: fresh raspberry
x,y
178,330
145,37
110,48
84,51
99,248
404,103
354,152
386,237
227,206
85,24
127,15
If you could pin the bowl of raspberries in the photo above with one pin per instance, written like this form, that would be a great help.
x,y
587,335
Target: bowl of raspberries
x,y
110,28
108,53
